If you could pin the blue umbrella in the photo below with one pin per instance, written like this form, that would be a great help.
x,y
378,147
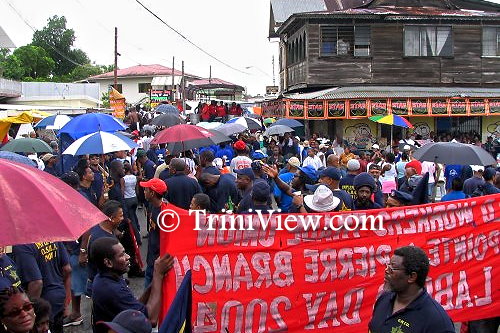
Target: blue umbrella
x,y
288,122
7,155
167,108
100,143
91,123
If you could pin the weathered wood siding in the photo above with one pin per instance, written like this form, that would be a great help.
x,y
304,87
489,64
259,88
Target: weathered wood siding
x,y
387,64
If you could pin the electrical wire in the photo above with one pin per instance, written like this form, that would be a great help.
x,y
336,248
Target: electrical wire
x,y
188,40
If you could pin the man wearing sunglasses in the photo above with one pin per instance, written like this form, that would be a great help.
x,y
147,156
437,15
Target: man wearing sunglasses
x,y
406,306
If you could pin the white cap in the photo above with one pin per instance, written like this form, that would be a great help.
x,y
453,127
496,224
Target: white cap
x,y
406,147
375,146
353,165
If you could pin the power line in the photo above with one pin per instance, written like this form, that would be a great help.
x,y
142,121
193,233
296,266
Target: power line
x,y
51,46
188,40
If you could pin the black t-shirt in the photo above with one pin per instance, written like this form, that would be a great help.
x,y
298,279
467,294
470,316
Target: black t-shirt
x,y
154,236
90,194
181,190
422,315
96,232
44,261
347,184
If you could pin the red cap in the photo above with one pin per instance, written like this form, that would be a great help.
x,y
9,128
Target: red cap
x,y
415,164
155,184
240,145
136,133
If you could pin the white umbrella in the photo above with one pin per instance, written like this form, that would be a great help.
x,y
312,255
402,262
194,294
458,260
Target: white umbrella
x,y
278,130
249,123
100,143
231,129
209,126
55,122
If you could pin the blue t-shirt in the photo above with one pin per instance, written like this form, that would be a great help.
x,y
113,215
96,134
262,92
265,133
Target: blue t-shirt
x,y
228,152
149,169
44,261
111,295
96,232
347,184
454,195
451,172
285,200
8,273
98,183
423,315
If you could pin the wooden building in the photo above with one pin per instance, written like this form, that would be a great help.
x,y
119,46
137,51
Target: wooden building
x,y
420,58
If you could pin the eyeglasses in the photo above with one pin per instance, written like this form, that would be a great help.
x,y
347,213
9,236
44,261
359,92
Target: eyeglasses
x,y
16,312
391,269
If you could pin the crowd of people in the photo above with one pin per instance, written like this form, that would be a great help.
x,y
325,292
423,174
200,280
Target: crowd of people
x,y
248,174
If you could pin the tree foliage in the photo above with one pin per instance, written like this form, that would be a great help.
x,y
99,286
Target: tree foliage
x,y
28,62
58,41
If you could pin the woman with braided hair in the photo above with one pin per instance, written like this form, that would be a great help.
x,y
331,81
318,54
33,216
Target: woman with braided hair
x,y
17,314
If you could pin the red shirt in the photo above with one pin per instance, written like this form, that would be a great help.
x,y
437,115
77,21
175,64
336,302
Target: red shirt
x,y
221,111
212,110
205,112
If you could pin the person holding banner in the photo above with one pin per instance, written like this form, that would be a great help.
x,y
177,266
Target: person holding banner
x,y
405,306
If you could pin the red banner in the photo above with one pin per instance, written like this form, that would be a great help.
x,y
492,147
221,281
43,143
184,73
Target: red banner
x,y
271,279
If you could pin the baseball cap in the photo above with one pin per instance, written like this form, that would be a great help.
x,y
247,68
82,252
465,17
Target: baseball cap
x,y
71,178
128,321
353,165
47,157
157,185
294,161
331,172
310,172
415,164
240,145
375,146
261,191
259,154
246,172
489,174
403,197
141,153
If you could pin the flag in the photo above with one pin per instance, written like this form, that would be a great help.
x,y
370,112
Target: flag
x,y
178,318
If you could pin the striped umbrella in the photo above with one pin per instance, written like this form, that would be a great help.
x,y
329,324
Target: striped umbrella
x,y
100,143
393,120
55,122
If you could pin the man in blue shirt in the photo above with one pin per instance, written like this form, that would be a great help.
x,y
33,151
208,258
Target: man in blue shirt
x,y
283,200
221,189
148,166
110,292
489,177
180,188
471,184
456,192
225,152
45,272
406,306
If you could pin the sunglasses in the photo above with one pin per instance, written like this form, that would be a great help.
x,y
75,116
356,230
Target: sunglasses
x,y
391,269
16,312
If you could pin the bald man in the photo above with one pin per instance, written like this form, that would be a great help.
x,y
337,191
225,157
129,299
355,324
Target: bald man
x,y
334,161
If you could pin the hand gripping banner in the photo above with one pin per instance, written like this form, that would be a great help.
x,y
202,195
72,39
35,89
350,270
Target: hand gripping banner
x,y
257,273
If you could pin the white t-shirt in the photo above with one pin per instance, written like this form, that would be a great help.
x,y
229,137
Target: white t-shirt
x,y
313,161
130,184
240,162
389,175
429,167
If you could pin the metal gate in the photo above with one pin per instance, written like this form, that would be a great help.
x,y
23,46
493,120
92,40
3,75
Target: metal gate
x,y
459,125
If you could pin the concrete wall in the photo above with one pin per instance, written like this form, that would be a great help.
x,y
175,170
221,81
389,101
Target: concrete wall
x,y
130,87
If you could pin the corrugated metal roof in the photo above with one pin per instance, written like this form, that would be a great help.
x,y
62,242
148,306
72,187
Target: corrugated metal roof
x,y
141,70
396,92
283,9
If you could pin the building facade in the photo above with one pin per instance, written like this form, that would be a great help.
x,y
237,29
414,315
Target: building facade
x,y
436,61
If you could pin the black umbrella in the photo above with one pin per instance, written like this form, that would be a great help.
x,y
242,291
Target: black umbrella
x,y
454,153
167,108
175,148
167,120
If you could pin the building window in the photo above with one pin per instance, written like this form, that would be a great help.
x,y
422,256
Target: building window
x,y
428,41
345,40
296,50
491,41
144,88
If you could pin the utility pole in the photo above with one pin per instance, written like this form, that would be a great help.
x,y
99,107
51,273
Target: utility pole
x,y
115,82
274,80
210,75
183,85
173,81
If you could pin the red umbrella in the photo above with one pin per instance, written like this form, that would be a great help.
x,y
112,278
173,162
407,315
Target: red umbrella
x,y
38,207
181,133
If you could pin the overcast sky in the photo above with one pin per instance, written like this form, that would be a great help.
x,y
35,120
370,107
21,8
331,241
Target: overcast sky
x,y
235,31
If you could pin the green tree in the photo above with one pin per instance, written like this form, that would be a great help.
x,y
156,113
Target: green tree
x,y
28,62
4,53
58,40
